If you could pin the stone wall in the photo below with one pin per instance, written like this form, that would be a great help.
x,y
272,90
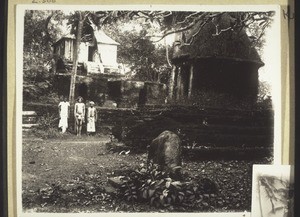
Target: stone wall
x,y
129,94
126,93
90,87
155,93
205,129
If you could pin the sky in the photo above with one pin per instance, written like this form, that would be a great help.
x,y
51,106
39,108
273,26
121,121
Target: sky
x,y
270,72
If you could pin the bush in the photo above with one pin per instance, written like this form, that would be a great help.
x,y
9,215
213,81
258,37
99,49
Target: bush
x,y
50,98
47,127
51,133
47,121
156,187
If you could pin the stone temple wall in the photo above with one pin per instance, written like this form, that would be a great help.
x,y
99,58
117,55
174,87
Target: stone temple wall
x,y
205,129
131,94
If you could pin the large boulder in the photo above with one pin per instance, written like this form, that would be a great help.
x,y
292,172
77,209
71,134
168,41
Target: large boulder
x,y
165,150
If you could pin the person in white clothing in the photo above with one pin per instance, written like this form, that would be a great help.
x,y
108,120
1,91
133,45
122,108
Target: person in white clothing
x,y
91,119
79,113
63,110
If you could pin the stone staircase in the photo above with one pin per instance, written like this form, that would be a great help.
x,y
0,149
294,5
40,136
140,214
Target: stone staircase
x,y
29,120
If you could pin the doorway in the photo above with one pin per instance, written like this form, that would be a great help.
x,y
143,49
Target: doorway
x,y
82,90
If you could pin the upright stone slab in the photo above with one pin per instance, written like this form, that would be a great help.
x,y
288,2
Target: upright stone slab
x,y
155,93
165,150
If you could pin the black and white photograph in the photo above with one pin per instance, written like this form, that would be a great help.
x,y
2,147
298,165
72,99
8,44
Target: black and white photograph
x,y
145,108
273,191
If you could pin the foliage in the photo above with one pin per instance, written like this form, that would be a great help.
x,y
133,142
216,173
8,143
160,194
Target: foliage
x,y
264,89
40,32
264,100
50,98
156,187
47,127
172,22
42,29
278,191
148,62
47,121
83,187
145,59
84,190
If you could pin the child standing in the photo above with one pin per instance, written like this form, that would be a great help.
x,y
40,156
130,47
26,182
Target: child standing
x,y
79,113
63,110
91,119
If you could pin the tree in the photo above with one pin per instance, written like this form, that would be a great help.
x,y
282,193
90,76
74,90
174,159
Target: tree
x,y
146,60
37,52
170,22
264,98
41,30
254,23
78,21
192,23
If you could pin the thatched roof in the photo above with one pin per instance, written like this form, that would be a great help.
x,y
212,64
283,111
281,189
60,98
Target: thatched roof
x,y
233,45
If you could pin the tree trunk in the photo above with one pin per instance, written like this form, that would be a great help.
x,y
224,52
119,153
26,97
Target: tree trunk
x,y
179,84
75,59
167,53
191,80
172,82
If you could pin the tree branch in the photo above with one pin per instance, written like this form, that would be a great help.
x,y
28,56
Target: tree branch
x,y
166,33
46,28
188,17
195,34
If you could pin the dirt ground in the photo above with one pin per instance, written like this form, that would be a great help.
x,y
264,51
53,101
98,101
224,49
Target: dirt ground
x,y
70,175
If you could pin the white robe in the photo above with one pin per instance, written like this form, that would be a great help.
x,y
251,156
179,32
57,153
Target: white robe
x,y
91,118
64,113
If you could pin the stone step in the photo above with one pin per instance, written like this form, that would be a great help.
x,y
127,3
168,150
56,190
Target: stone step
x,y
29,125
29,119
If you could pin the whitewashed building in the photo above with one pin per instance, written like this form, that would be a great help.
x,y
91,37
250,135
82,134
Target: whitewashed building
x,y
96,55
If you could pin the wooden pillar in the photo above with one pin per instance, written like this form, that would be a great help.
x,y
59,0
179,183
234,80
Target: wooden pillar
x,y
179,83
172,82
191,81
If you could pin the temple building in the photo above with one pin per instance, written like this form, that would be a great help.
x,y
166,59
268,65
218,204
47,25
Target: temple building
x,y
99,77
97,64
222,62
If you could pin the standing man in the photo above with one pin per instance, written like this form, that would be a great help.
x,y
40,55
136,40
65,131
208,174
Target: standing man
x,y
91,118
64,111
79,113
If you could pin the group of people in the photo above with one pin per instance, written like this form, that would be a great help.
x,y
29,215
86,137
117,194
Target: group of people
x,y
80,115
